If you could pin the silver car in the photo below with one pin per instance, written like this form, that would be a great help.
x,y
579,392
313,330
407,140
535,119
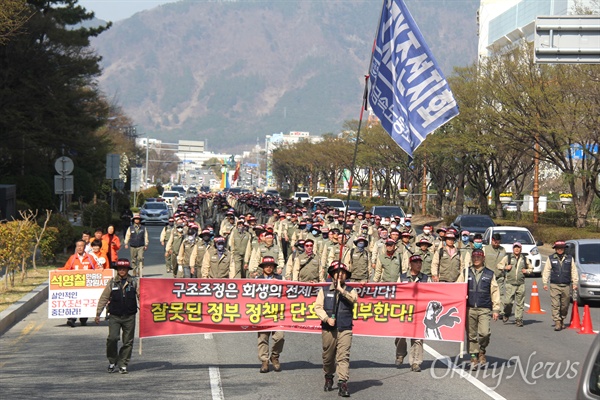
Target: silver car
x,y
588,387
155,213
586,253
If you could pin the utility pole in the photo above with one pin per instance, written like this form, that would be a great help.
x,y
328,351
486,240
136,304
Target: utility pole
x,y
147,147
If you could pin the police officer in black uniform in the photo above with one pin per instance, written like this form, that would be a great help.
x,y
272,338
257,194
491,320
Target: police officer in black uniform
x,y
121,294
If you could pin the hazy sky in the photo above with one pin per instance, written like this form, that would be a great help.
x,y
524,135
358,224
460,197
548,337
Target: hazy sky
x,y
115,10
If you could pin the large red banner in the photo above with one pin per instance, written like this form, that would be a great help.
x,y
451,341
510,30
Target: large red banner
x,y
432,311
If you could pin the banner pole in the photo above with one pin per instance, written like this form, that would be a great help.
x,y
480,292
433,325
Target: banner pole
x,y
140,343
463,342
364,106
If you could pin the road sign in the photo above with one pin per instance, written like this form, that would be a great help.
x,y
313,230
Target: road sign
x,y
570,39
120,185
63,184
64,165
113,166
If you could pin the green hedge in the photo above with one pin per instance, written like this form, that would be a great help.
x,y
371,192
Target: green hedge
x,y
549,233
66,233
96,215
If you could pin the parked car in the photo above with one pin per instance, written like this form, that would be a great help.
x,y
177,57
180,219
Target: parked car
x,y
169,196
333,203
512,206
588,386
156,212
180,189
354,205
317,199
474,223
586,253
511,234
388,211
301,196
272,192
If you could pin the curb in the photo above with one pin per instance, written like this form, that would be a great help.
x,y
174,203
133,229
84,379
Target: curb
x,y
23,307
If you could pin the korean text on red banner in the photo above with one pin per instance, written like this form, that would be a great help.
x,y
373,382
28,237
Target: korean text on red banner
x,y
432,311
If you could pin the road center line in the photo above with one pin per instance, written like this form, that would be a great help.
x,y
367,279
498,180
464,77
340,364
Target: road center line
x,y
215,383
464,374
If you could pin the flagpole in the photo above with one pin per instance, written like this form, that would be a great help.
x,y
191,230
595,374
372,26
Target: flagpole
x,y
364,106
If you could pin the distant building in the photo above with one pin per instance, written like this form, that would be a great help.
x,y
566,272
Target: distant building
x,y
504,23
277,139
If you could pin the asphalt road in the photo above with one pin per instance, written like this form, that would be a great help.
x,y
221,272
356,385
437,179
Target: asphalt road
x,y
44,358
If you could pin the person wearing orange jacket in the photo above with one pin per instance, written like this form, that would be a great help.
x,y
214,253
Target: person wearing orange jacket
x,y
79,260
111,244
99,255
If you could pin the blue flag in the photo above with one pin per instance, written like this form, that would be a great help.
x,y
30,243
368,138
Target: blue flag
x,y
409,93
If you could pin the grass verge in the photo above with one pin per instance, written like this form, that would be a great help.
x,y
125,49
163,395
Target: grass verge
x,y
33,279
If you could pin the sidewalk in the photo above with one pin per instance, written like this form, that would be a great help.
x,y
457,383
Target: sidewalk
x,y
30,301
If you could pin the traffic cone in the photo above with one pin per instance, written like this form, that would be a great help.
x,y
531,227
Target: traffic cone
x,y
534,303
587,328
575,324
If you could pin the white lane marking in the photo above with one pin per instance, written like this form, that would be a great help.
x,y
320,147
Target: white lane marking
x,y
208,336
215,383
528,306
464,374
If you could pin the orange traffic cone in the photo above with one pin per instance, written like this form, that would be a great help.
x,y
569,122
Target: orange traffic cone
x,y
587,328
575,324
534,304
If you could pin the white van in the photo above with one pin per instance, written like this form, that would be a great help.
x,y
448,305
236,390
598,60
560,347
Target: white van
x,y
169,196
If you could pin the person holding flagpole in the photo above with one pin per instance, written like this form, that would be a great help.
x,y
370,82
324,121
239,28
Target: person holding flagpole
x,y
334,306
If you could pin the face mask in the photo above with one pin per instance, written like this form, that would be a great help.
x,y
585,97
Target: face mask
x,y
393,226
407,223
308,226
426,231
206,238
360,245
314,232
288,218
477,245
171,224
465,239
179,230
220,247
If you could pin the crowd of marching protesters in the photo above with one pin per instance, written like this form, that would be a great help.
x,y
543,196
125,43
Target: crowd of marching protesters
x,y
250,236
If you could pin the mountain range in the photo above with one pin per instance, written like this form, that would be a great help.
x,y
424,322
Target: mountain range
x,y
230,72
